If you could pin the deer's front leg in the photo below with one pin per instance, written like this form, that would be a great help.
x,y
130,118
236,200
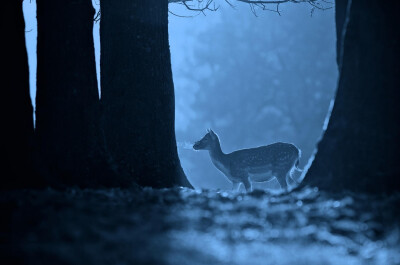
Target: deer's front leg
x,y
235,186
241,176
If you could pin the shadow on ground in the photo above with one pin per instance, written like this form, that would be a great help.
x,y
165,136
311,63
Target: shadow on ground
x,y
182,226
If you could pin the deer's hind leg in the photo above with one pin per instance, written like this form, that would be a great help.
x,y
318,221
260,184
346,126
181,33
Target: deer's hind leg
x,y
282,181
235,186
247,185
289,178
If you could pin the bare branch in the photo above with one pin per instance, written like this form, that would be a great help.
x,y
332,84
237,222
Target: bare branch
x,y
200,8
204,5
172,13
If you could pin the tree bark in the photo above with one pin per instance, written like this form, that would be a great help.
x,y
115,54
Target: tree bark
x,y
68,105
138,92
16,107
341,18
361,147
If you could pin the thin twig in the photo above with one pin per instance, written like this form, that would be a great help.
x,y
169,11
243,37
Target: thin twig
x,y
205,5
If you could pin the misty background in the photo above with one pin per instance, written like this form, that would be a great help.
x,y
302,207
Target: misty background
x,y
254,78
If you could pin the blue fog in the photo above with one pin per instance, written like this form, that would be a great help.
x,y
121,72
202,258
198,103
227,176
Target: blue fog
x,y
254,78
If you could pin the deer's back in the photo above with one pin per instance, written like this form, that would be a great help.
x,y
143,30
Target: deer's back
x,y
273,157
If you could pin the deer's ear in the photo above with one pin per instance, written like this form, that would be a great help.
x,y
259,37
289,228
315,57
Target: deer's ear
x,y
212,133
208,130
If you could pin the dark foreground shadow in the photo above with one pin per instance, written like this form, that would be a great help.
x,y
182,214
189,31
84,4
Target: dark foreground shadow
x,y
183,226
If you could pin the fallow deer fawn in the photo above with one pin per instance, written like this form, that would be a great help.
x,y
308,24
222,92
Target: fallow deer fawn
x,y
258,164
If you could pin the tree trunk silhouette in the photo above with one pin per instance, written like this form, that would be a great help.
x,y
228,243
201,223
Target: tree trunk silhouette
x,y
361,147
138,92
341,19
16,108
68,105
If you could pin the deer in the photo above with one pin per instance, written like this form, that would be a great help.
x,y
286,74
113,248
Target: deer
x,y
260,164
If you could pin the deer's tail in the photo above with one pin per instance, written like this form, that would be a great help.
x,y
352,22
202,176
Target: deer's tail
x,y
296,166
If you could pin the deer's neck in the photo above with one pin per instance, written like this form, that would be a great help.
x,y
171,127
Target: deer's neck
x,y
218,157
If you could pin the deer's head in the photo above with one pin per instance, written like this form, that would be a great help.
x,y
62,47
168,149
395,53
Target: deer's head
x,y
208,142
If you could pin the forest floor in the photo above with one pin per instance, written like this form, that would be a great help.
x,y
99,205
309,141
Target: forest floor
x,y
182,226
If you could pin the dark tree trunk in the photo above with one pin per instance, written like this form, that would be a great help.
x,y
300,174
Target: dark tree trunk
x,y
67,95
361,147
138,93
16,108
341,18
